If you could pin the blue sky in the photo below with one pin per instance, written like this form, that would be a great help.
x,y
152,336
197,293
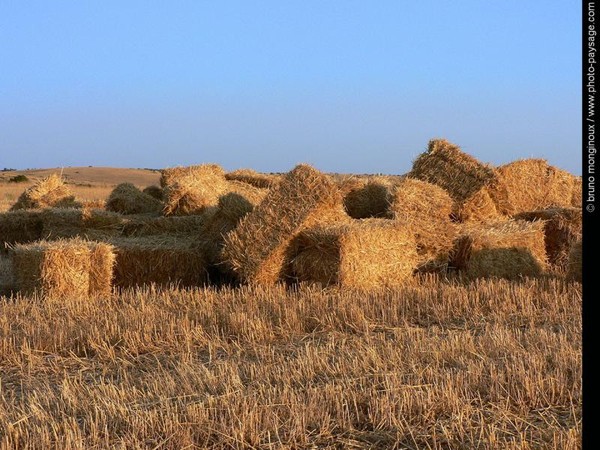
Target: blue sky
x,y
349,86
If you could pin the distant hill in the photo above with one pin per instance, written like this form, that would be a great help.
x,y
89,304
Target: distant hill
x,y
91,176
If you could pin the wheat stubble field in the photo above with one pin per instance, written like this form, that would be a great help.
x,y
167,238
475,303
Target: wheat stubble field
x,y
443,360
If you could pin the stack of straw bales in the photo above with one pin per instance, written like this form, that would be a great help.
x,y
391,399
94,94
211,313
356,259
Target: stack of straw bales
x,y
154,191
128,199
257,249
562,228
18,227
426,209
253,178
366,197
50,192
191,190
232,208
64,268
91,223
574,271
532,184
364,254
509,249
161,260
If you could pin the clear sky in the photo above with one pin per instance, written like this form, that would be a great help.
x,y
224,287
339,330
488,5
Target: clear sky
x,y
347,85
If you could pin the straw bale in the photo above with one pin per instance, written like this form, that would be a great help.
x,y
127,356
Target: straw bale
x,y
46,193
191,190
426,209
577,197
53,269
128,199
562,228
162,260
91,223
102,264
154,191
18,227
365,254
256,250
256,179
479,207
175,225
366,197
232,208
447,166
509,249
6,275
529,185
574,271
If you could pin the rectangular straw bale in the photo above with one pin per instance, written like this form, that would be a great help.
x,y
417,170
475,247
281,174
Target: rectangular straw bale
x,y
91,223
427,209
50,192
191,190
173,225
366,197
18,227
365,254
447,166
128,199
102,264
574,272
256,249
6,275
577,196
509,249
562,228
254,178
162,260
232,208
530,185
53,269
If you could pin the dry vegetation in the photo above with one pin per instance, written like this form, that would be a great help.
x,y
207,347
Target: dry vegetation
x,y
256,316
495,364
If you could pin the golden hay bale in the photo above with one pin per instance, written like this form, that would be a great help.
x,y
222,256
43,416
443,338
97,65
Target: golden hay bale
x,y
426,209
191,190
365,254
160,259
577,197
128,199
102,264
562,228
50,192
509,249
256,179
91,223
479,207
574,271
447,166
154,191
232,208
18,227
529,185
63,268
366,196
256,249
6,275
174,225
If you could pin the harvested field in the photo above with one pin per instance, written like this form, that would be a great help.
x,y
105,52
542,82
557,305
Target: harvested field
x,y
363,255
493,364
511,249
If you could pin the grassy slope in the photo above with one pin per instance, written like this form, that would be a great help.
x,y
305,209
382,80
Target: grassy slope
x,y
441,365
